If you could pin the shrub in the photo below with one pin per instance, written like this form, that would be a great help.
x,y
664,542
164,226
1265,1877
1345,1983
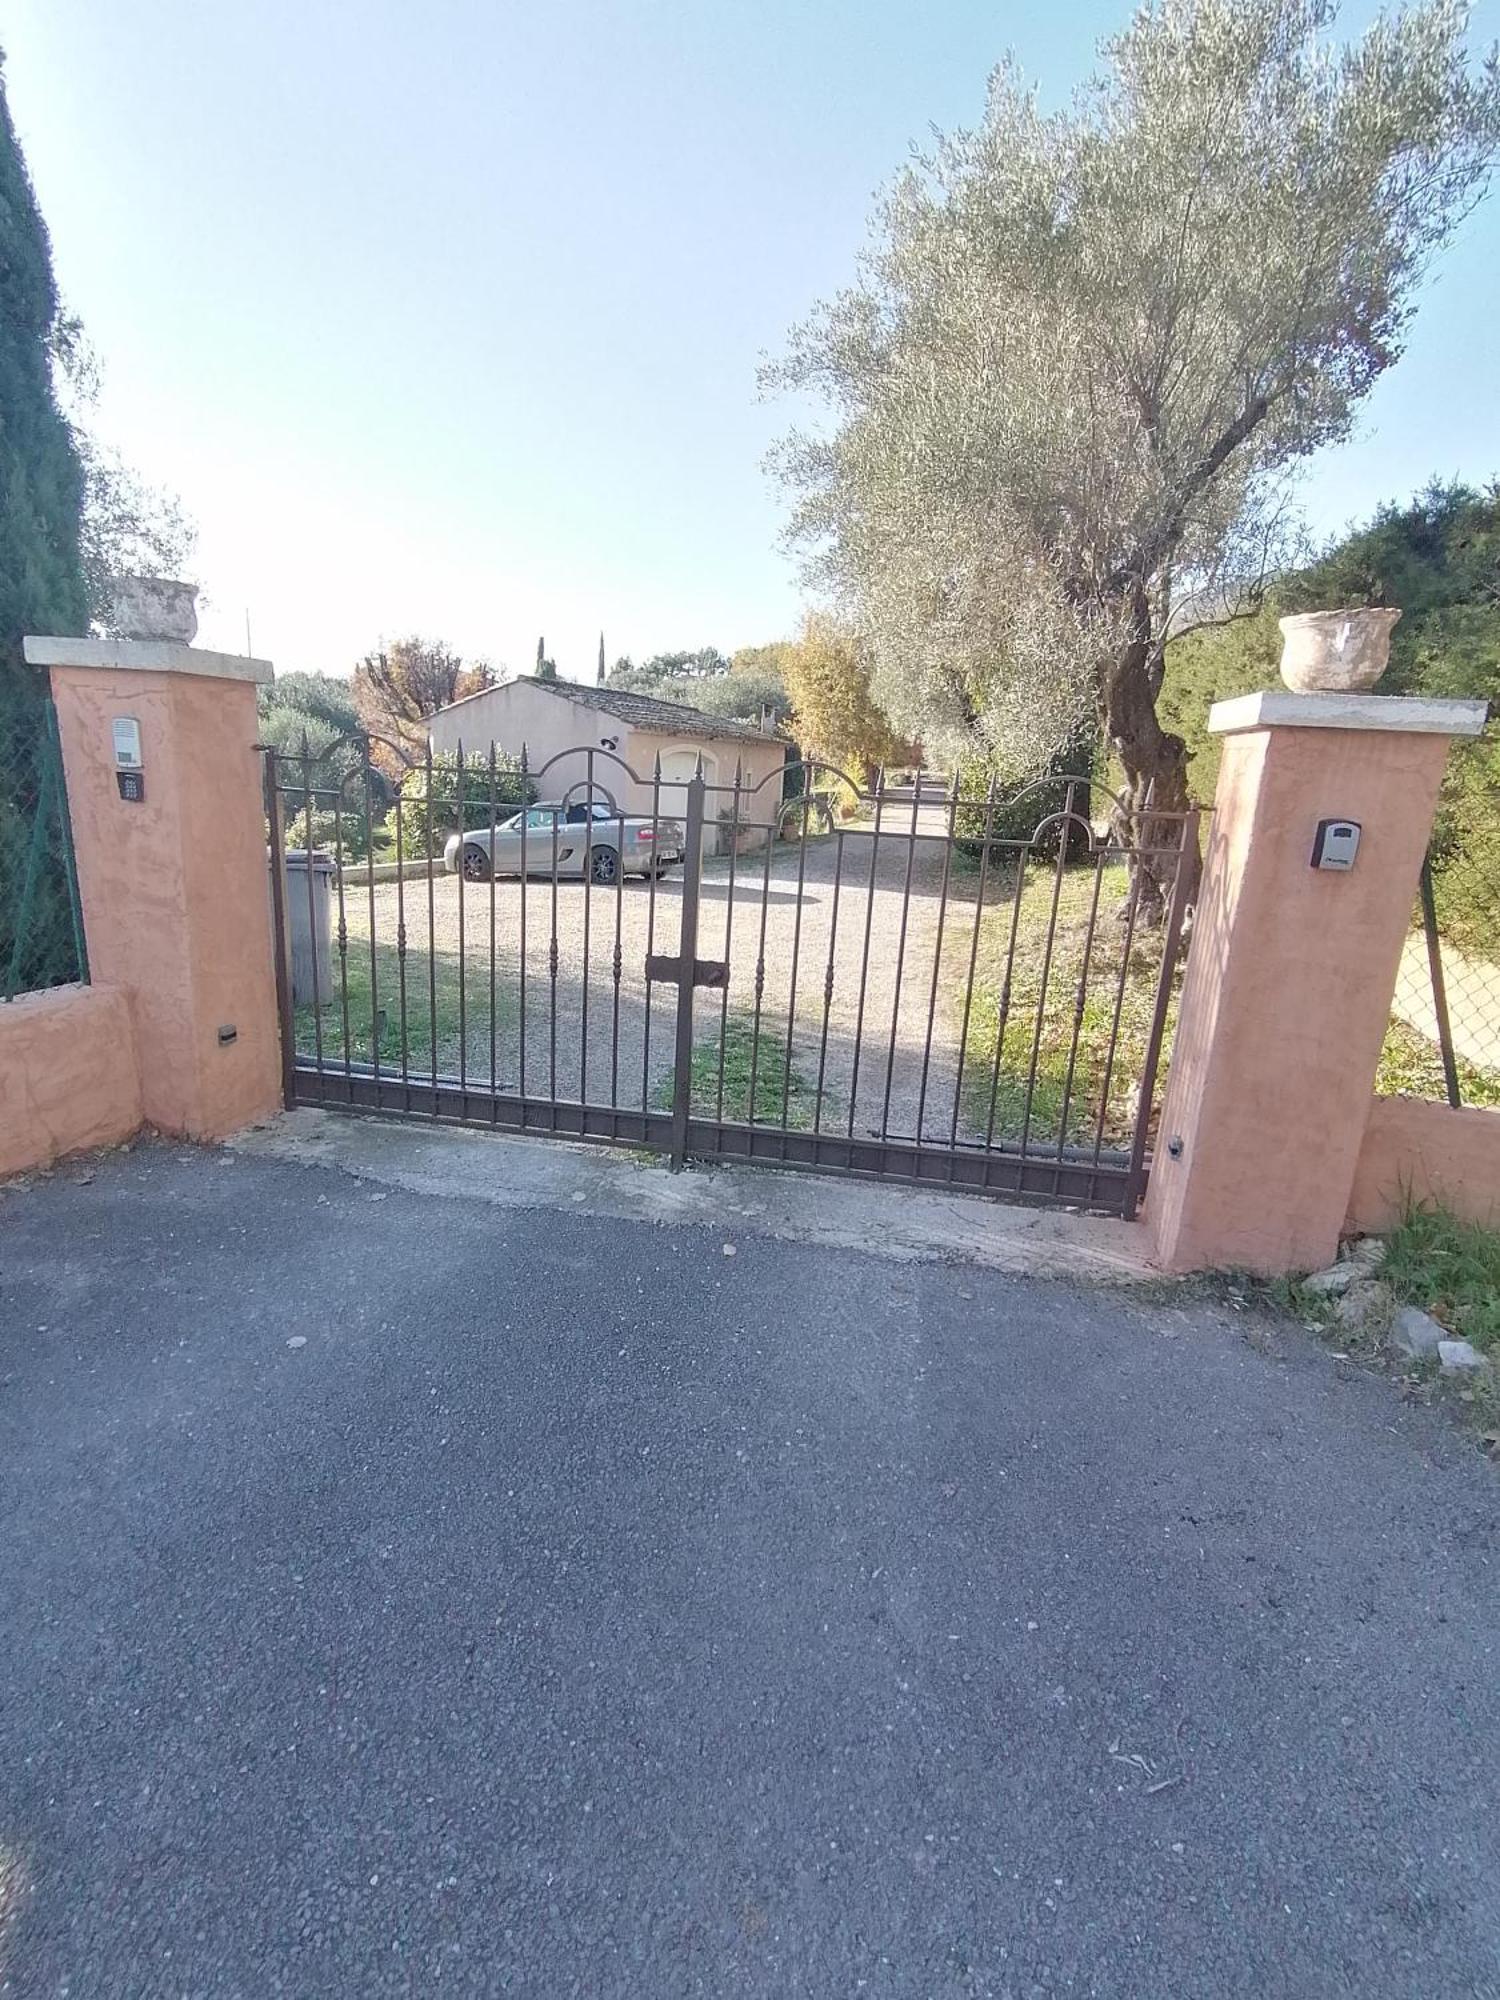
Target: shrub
x,y
451,813
342,833
1017,812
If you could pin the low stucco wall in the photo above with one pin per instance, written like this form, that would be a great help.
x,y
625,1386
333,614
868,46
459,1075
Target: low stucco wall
x,y
69,1077
1417,1151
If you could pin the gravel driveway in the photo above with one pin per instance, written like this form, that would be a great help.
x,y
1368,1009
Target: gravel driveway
x,y
881,999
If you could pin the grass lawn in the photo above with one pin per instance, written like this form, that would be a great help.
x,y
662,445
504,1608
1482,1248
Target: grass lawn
x,y
1072,1023
1409,1063
1410,1066
1449,1268
375,1030
775,1076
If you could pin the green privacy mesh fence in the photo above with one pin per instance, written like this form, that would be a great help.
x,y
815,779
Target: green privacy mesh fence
x,y
41,929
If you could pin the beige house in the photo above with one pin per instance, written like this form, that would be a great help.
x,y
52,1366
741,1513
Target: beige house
x,y
560,723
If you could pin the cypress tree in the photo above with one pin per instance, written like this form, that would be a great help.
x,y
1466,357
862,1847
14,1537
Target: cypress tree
x,y
41,481
41,579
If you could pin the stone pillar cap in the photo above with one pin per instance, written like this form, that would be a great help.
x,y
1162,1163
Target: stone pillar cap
x,y
1278,708
146,656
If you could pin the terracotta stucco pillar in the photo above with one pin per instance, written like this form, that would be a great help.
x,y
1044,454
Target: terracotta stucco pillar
x,y
1290,974
173,883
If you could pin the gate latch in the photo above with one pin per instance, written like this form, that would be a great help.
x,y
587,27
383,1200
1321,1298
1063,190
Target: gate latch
x,y
706,971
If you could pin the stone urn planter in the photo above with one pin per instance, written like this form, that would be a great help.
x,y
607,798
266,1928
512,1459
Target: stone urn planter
x,y
1336,652
152,607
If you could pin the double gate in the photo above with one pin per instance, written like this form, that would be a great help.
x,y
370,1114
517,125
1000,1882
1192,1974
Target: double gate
x,y
902,983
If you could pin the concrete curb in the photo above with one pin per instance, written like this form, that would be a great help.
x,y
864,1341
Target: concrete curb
x,y
360,877
908,1225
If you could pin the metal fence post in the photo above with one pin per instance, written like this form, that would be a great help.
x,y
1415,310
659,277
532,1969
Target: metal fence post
x,y
1439,989
281,929
65,827
1183,886
687,950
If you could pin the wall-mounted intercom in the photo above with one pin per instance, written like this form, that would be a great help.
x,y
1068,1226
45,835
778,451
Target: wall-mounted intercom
x,y
1336,843
129,773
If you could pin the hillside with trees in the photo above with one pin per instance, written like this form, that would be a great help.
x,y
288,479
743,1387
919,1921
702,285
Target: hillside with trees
x,y
740,689
1438,558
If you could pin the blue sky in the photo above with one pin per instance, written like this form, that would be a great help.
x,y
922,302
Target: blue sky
x,y
446,317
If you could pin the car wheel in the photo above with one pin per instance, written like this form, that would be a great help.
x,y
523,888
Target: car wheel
x,y
476,865
605,865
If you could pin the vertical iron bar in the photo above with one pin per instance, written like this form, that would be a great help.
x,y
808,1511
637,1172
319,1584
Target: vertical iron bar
x,y
864,963
1439,986
370,886
1136,1180
588,890
1132,906
343,934
1063,830
682,1074
734,853
521,1024
552,982
1080,1004
760,977
431,938
617,963
463,1010
401,943
828,977
963,1037
890,1061
494,1080
1023,856
651,931
312,922
937,953
791,1011
281,932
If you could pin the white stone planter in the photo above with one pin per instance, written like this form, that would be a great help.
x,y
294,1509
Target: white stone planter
x,y
1336,652
152,607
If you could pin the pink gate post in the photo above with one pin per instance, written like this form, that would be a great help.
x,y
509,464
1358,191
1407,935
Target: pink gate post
x,y
164,790
1291,971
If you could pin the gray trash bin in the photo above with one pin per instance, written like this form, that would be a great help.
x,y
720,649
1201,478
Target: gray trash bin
x,y
308,923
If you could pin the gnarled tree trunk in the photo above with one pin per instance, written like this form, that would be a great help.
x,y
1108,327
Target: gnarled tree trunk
x,y
1153,759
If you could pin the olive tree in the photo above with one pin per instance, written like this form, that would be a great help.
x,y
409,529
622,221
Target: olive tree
x,y
1086,351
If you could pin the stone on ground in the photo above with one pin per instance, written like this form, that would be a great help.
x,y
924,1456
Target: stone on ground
x,y
1328,1284
1362,1303
1458,1357
1417,1333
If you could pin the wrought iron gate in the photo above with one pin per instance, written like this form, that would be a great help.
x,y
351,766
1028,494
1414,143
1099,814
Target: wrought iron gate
x,y
904,983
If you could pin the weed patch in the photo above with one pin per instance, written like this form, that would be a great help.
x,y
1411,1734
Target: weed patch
x,y
1449,1268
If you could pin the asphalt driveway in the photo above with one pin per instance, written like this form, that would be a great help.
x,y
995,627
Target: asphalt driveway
x,y
402,1596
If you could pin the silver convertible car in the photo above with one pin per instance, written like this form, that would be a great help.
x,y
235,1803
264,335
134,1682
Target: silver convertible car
x,y
586,837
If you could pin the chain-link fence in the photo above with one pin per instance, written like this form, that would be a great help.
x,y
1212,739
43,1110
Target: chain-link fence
x,y
1444,1037
41,928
